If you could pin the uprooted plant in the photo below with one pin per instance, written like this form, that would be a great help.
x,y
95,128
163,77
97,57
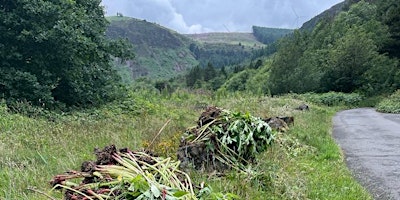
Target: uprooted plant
x,y
132,175
224,139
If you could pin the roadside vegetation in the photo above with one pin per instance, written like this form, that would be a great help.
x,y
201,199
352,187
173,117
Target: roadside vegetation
x,y
302,163
390,104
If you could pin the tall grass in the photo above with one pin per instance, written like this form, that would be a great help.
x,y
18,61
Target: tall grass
x,y
304,163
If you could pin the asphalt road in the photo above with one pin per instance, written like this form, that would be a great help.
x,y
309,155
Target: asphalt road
x,y
371,144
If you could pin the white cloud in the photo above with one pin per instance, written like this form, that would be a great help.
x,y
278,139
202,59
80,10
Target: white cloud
x,y
195,16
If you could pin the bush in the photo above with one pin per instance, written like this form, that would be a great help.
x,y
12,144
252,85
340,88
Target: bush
x,y
391,104
333,98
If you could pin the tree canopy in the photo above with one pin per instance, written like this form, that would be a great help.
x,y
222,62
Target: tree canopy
x,y
345,55
55,52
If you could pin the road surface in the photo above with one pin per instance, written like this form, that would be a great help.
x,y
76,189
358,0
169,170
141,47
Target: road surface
x,y
371,144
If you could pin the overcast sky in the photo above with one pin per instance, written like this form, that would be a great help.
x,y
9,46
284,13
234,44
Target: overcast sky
x,y
198,16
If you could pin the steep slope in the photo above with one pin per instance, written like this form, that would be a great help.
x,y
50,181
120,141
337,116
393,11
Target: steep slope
x,y
326,15
223,49
160,52
330,13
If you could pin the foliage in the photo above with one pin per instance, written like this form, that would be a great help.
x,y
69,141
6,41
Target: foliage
x,y
238,81
55,52
333,98
391,104
243,133
285,73
342,55
220,54
232,138
389,14
207,77
253,78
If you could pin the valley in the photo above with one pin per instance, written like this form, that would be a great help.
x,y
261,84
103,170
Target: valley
x,y
82,95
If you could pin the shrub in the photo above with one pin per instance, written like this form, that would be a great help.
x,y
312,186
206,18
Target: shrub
x,y
391,104
333,98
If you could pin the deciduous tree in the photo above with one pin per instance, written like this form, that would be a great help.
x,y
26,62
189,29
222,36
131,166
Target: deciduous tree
x,y
57,48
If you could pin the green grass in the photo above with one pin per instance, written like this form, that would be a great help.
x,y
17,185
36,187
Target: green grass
x,y
246,39
117,18
304,163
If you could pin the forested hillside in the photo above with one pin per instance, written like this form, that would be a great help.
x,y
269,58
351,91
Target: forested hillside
x,y
351,51
161,53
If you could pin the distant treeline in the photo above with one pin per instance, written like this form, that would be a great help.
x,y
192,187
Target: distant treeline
x,y
220,54
269,35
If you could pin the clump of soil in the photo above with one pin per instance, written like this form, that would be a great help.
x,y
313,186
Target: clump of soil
x,y
210,114
280,123
105,156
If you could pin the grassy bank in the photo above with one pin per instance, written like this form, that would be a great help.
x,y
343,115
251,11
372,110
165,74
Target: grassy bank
x,y
304,163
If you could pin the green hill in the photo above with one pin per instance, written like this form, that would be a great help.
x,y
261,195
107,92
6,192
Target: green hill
x,y
160,52
246,39
223,49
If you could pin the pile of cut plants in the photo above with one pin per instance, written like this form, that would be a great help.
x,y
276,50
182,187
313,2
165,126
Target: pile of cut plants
x,y
224,140
125,174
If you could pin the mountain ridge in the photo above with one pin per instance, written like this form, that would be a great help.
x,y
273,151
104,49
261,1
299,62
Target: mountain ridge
x,y
165,53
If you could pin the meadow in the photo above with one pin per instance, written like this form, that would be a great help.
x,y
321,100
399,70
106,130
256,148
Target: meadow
x,y
303,163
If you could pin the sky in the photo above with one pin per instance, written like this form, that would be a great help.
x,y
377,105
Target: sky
x,y
200,16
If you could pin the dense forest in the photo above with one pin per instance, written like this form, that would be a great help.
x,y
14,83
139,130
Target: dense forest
x,y
220,54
